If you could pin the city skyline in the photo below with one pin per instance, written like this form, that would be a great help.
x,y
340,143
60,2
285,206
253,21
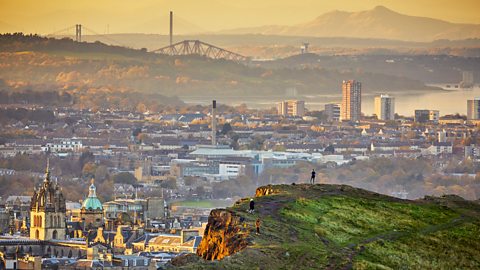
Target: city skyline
x,y
239,134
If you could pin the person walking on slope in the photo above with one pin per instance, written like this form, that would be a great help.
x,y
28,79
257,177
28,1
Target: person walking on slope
x,y
312,179
252,206
257,225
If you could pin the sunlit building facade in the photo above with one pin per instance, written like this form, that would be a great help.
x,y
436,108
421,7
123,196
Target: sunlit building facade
x,y
291,108
351,108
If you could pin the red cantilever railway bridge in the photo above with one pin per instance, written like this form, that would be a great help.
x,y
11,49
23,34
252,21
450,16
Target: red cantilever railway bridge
x,y
197,47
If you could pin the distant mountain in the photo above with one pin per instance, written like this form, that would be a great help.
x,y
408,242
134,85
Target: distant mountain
x,y
379,22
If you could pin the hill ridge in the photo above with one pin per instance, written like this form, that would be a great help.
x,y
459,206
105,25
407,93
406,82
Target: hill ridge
x,y
339,227
379,22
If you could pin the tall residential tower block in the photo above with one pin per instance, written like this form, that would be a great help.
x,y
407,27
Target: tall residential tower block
x,y
351,108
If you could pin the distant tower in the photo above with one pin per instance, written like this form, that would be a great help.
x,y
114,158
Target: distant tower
x,y
442,136
47,211
351,101
473,109
332,111
78,33
171,27
467,79
304,48
385,107
214,122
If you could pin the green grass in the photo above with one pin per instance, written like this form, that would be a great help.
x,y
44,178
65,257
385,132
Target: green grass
x,y
455,248
203,203
340,227
346,220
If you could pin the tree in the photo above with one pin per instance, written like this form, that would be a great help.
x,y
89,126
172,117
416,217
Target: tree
x,y
124,178
86,157
329,149
170,183
200,191
279,148
257,143
141,108
101,173
226,128
89,169
136,131
189,181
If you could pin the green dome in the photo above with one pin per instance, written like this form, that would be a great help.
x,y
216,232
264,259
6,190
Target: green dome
x,y
92,202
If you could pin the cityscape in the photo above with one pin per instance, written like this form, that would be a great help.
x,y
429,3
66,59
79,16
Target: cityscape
x,y
240,147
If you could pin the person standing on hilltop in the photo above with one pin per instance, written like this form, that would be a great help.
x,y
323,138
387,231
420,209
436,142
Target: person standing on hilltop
x,y
312,179
252,206
257,225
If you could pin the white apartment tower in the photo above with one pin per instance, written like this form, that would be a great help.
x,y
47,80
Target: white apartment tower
x,y
385,107
291,108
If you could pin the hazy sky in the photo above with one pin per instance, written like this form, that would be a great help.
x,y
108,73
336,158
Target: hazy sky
x,y
47,16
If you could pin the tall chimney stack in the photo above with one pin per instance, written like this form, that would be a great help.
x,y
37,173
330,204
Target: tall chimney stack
x,y
171,27
214,122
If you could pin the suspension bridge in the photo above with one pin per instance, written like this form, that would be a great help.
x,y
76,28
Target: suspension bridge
x,y
186,47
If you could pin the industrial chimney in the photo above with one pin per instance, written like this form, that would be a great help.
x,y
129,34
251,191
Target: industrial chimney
x,y
171,28
214,122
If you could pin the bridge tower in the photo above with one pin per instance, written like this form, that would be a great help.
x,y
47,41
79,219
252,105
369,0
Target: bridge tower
x,y
171,28
78,32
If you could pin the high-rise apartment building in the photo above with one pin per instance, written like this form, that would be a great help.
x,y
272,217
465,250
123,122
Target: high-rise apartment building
x,y
291,108
423,116
351,100
332,111
473,109
467,79
385,107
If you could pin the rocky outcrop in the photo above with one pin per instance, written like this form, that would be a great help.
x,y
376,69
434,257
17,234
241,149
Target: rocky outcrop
x,y
266,190
225,234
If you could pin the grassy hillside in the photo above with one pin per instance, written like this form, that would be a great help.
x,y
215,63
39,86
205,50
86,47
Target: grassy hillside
x,y
340,227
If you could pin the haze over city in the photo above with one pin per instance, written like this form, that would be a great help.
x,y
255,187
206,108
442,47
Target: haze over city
x,y
239,134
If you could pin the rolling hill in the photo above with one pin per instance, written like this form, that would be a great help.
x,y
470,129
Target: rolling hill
x,y
339,227
379,22
65,64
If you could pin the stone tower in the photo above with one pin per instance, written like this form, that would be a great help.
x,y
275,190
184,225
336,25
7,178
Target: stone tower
x,y
47,211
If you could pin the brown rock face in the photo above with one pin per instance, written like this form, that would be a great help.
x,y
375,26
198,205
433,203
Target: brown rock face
x,y
225,235
266,190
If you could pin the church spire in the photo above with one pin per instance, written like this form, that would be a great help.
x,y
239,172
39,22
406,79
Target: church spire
x,y
47,171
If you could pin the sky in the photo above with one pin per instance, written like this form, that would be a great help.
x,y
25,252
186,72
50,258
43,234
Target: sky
x,y
121,16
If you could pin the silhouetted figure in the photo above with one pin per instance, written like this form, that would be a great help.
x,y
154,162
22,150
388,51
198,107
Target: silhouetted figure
x,y
312,179
252,206
257,224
